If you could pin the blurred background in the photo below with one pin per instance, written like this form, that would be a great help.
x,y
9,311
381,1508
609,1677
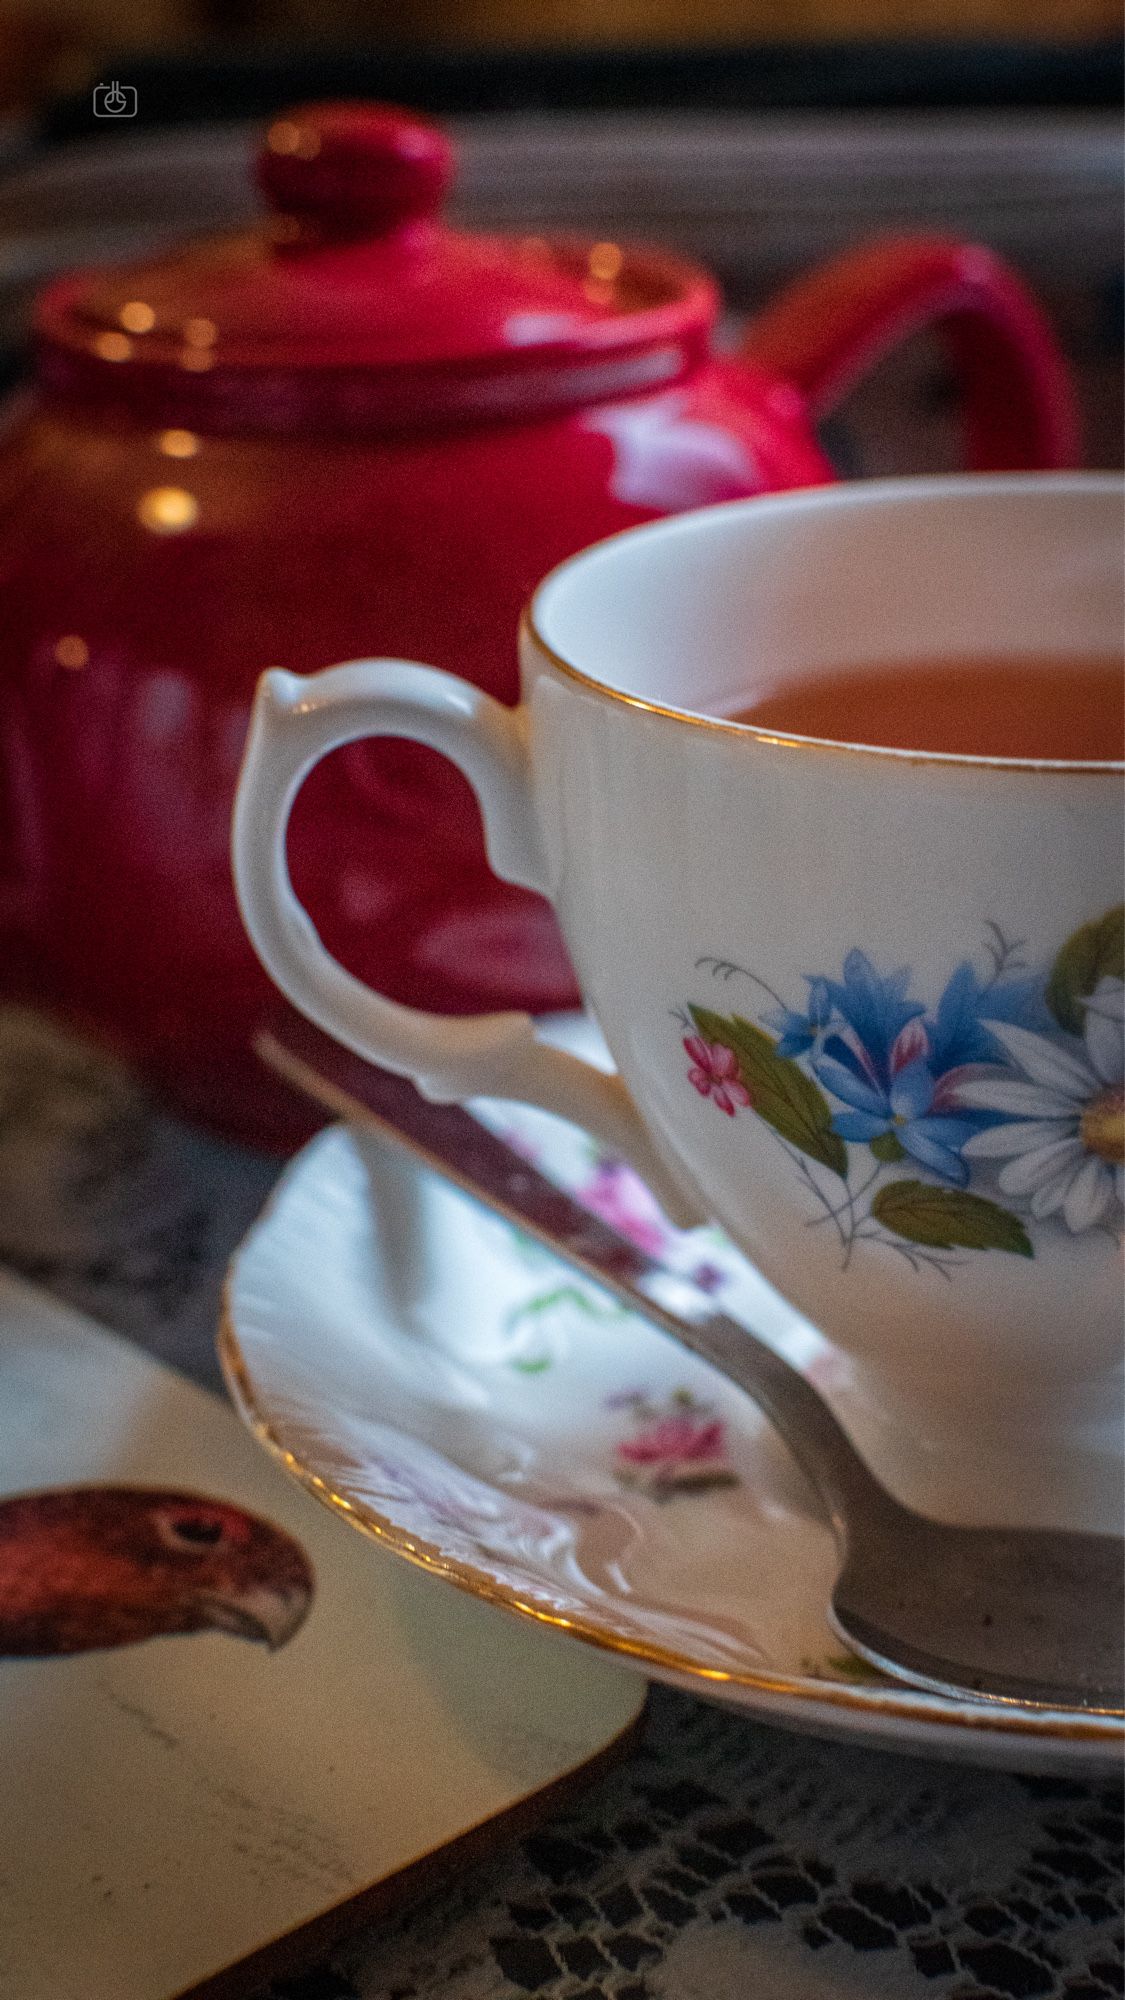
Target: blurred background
x,y
757,135
53,39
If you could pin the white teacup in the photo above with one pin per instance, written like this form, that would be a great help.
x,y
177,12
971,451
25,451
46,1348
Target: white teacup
x,y
771,932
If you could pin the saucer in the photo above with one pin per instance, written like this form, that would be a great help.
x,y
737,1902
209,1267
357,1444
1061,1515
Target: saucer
x,y
461,1396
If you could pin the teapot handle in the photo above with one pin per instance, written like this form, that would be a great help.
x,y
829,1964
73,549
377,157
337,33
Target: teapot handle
x,y
828,328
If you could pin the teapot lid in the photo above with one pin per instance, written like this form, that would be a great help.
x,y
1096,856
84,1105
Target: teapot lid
x,y
355,308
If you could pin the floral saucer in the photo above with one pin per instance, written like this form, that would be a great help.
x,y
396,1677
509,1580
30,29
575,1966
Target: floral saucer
x,y
465,1399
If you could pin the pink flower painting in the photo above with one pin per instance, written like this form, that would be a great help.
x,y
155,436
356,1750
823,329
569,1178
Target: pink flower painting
x,y
677,1446
714,1072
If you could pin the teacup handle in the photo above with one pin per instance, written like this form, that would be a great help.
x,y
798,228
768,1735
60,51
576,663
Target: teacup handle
x,y
297,720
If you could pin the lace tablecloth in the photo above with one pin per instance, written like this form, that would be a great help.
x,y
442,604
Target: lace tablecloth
x,y
728,1860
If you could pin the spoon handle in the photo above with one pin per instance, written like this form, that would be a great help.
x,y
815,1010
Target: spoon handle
x,y
450,1142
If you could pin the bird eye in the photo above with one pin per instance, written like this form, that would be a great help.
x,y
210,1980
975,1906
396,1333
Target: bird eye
x,y
193,1533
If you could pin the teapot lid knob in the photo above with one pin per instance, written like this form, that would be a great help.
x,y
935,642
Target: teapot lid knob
x,y
355,169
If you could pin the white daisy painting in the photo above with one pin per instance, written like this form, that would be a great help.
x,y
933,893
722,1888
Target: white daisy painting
x,y
1063,1139
935,1123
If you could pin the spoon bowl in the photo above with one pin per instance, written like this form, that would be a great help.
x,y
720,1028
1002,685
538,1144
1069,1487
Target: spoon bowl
x,y
1027,1614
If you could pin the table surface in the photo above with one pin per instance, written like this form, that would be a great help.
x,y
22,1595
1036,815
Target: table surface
x,y
727,1860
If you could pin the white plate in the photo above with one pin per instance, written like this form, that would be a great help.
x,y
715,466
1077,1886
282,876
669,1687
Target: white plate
x,y
457,1393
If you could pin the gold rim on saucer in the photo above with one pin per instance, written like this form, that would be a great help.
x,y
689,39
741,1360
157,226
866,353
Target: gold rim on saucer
x,y
295,1447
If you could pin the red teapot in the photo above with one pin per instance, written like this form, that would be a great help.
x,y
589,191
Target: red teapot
x,y
355,430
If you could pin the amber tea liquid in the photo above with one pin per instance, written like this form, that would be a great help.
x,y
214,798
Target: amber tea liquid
x,y
1067,708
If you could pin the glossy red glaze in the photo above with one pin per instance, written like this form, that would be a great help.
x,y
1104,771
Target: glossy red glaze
x,y
362,168
832,326
356,311
385,470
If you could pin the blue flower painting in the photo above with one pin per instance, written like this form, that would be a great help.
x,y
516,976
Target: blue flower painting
x,y
1008,1084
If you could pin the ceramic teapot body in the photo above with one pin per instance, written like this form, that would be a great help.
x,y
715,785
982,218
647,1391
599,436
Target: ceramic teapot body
x,y
177,515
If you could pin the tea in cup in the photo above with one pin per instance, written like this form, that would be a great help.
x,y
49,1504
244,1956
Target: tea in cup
x,y
826,790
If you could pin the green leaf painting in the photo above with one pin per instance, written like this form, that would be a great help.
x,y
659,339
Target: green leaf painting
x,y
973,1112
948,1218
1097,951
780,1091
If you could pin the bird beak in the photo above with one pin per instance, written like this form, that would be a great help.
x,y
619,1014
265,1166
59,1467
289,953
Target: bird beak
x,y
266,1616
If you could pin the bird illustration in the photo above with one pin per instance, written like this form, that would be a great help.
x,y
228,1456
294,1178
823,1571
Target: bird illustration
x,y
88,1567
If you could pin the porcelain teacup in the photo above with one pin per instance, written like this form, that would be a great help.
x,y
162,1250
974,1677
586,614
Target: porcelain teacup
x,y
771,930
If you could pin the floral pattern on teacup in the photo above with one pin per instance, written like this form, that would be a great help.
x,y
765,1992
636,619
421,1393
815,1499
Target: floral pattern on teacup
x,y
676,1446
933,1130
